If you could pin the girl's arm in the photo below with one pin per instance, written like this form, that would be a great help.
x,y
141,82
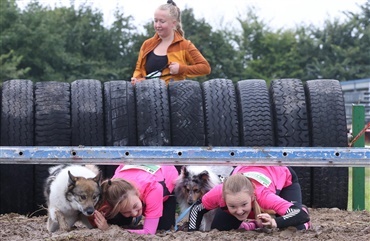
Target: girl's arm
x,y
197,65
150,224
196,216
294,216
150,227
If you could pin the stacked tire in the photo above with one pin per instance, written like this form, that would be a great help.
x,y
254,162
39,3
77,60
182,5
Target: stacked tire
x,y
217,112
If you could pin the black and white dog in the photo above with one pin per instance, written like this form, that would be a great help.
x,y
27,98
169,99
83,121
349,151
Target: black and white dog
x,y
195,181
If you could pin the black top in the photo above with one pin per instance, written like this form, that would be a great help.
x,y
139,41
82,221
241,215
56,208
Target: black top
x,y
155,62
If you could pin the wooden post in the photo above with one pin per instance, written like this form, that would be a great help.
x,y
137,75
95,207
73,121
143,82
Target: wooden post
x,y
358,173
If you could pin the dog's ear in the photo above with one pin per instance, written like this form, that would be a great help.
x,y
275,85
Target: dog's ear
x,y
97,178
72,179
204,175
184,171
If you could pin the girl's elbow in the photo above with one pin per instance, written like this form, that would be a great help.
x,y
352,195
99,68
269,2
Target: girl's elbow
x,y
207,69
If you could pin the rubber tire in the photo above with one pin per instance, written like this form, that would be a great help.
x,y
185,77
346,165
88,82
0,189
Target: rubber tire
x,y
187,115
52,127
255,116
291,125
153,114
328,128
120,116
221,113
17,129
87,114
119,107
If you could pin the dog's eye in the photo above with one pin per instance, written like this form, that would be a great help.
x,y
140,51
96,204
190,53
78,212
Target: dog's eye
x,y
196,190
83,197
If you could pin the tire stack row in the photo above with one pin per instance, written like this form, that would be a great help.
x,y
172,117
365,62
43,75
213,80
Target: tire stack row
x,y
288,113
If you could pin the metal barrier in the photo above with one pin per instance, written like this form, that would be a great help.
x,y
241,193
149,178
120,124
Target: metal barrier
x,y
172,155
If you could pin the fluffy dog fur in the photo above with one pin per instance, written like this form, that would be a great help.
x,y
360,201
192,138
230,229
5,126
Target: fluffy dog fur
x,y
71,193
192,183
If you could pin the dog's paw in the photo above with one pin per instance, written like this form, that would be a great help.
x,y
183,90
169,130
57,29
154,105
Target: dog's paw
x,y
52,225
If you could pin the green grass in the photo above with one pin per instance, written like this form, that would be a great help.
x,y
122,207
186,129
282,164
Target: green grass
x,y
367,189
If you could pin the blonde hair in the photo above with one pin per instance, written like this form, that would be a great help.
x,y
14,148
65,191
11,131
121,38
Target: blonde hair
x,y
174,13
115,192
239,183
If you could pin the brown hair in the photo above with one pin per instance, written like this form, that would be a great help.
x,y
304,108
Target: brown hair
x,y
175,13
239,183
115,192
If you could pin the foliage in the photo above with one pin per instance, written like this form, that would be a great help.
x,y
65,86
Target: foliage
x,y
9,67
69,43
343,49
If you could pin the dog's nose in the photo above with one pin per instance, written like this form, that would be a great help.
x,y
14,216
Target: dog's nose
x,y
90,211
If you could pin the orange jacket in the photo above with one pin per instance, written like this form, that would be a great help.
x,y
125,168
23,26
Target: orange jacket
x,y
183,51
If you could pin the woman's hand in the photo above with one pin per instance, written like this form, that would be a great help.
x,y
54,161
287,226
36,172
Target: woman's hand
x,y
134,80
174,68
267,220
100,221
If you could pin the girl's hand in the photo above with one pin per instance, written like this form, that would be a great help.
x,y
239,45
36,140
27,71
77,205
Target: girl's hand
x,y
266,220
134,80
174,68
100,221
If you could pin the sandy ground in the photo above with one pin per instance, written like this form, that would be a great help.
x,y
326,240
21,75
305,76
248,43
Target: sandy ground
x,y
328,224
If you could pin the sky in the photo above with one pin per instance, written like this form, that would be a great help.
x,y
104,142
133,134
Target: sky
x,y
275,13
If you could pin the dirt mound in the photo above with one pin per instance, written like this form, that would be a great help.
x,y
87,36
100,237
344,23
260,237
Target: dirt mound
x,y
328,224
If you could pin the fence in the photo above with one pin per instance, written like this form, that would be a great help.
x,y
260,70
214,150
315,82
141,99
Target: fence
x,y
358,157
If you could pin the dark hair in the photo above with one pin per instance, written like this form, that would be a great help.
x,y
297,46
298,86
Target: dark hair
x,y
171,2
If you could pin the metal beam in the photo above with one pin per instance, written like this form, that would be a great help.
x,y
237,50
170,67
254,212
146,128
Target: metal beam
x,y
171,155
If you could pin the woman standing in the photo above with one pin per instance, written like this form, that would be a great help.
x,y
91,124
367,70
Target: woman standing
x,y
168,55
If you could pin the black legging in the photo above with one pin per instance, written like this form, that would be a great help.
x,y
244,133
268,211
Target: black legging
x,y
224,221
165,222
168,218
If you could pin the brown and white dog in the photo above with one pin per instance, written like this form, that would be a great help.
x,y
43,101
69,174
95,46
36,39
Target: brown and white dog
x,y
192,183
71,193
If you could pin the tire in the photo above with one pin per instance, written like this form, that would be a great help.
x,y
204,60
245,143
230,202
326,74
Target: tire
x,y
291,125
119,107
52,127
120,116
187,116
153,115
221,114
87,114
17,129
255,117
328,128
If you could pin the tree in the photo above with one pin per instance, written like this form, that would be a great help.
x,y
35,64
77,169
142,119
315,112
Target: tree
x,y
266,54
69,43
343,49
66,44
9,66
214,45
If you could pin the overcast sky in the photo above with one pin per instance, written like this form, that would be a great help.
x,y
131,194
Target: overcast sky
x,y
276,13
